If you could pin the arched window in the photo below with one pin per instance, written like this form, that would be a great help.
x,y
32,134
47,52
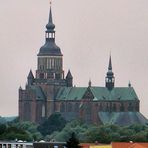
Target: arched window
x,y
100,107
122,107
130,107
62,107
41,75
43,111
69,107
76,107
107,107
114,107
27,111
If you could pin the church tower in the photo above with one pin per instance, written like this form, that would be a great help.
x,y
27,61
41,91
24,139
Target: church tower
x,y
37,100
50,58
110,79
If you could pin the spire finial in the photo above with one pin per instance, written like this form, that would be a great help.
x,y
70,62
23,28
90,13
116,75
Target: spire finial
x,y
50,26
110,63
89,83
129,84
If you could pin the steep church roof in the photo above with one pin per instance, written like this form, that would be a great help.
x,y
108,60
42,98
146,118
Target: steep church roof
x,y
99,93
71,93
117,93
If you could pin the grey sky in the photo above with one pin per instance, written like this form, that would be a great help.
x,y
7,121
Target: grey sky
x,y
86,31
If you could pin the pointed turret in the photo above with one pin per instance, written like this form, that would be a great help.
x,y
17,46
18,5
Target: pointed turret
x,y
30,78
20,88
129,84
50,26
110,63
69,75
89,83
30,75
69,79
110,76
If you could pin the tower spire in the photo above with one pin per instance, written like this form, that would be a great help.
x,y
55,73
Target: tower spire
x,y
50,26
110,79
50,60
89,83
110,63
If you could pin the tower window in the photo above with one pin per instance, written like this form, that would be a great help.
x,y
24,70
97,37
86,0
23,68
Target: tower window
x,y
50,35
41,75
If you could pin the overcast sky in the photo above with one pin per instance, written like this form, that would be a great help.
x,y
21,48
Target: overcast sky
x,y
86,31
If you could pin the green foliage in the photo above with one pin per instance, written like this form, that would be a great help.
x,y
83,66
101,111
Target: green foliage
x,y
25,131
103,134
54,123
2,128
71,127
55,127
13,132
2,120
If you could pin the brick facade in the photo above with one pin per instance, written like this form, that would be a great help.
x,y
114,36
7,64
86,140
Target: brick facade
x,y
50,91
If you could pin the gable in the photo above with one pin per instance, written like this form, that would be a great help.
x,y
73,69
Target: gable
x,y
88,94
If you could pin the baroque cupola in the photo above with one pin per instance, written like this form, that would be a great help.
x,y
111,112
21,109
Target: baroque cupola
x,y
50,48
110,79
50,58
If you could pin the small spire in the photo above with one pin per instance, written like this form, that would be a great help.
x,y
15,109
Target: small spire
x,y
50,16
110,79
30,75
129,84
50,25
89,83
110,63
69,75
20,88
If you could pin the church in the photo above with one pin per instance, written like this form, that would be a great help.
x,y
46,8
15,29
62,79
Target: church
x,y
51,91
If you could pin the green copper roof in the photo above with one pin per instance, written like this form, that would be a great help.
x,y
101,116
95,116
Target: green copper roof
x,y
117,93
39,93
99,93
71,93
122,118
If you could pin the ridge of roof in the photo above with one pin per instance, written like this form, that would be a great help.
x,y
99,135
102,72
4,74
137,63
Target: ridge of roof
x,y
100,93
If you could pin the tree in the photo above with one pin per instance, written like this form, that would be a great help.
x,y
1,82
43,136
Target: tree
x,y
54,123
2,128
73,142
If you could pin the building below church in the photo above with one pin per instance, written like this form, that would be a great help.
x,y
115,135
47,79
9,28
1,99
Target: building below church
x,y
50,91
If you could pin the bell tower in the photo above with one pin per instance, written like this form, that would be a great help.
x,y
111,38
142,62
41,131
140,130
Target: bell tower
x,y
50,58
110,79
